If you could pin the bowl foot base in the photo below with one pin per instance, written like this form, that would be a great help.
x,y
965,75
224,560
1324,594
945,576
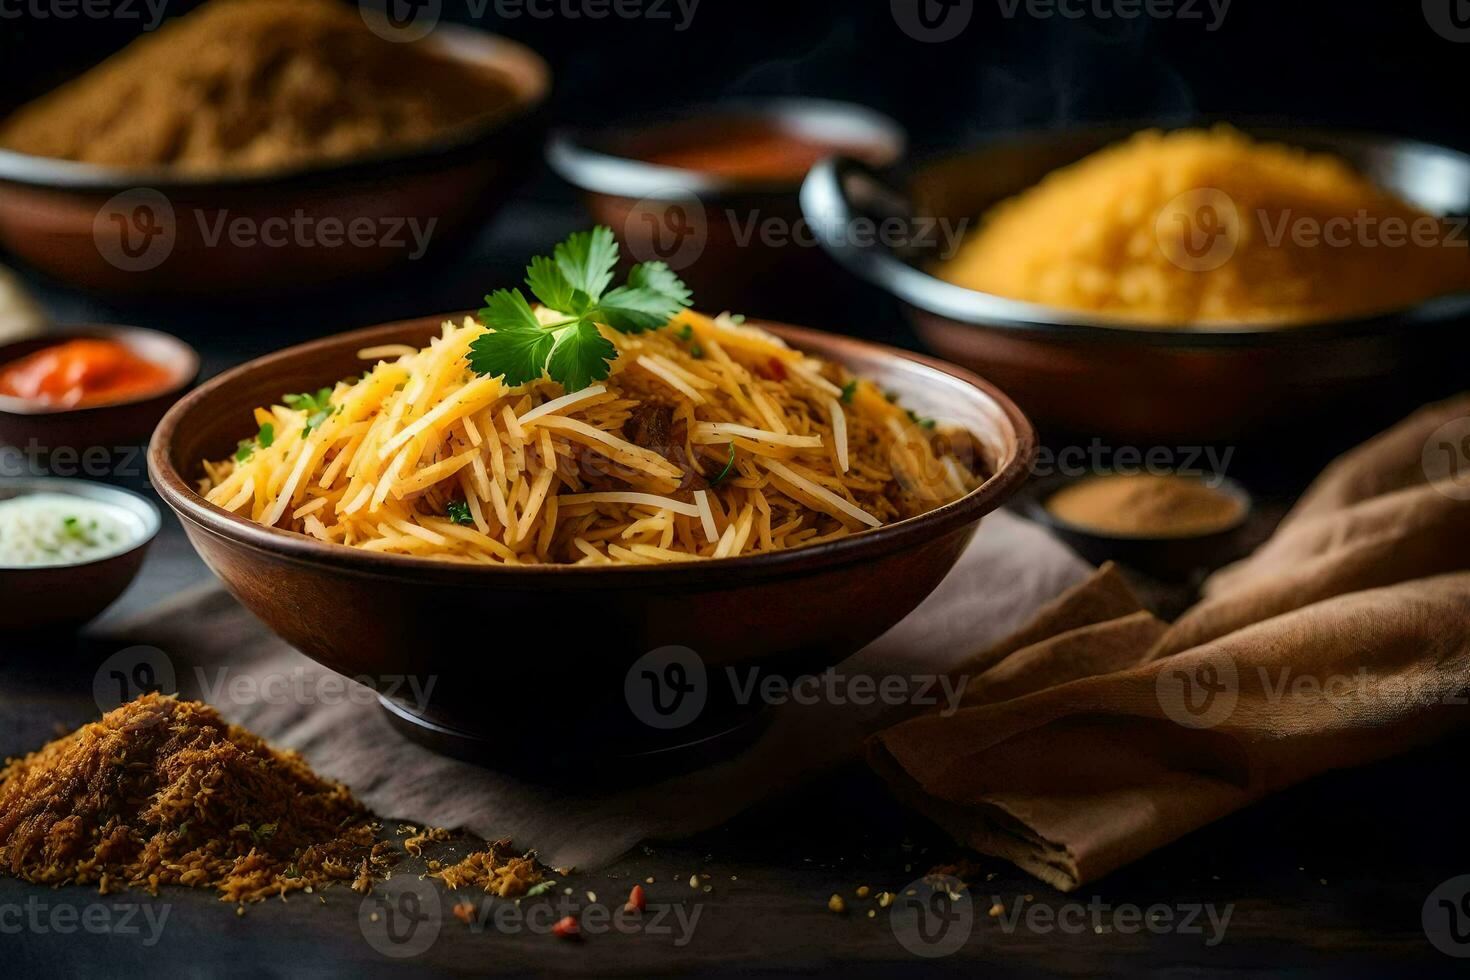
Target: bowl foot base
x,y
556,754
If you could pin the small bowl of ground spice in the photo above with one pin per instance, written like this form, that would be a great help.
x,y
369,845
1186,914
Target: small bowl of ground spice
x,y
1166,524
254,145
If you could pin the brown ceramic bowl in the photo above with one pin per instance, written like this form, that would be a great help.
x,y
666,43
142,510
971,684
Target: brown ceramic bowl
x,y
59,597
159,232
532,660
1082,374
109,427
711,227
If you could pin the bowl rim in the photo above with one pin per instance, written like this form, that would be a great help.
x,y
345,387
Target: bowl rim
x,y
186,375
179,493
825,205
573,153
453,40
105,493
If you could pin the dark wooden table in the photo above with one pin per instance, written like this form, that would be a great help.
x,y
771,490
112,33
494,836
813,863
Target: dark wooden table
x,y
1330,878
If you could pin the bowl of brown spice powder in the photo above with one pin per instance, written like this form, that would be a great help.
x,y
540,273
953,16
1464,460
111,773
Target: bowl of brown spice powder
x,y
267,144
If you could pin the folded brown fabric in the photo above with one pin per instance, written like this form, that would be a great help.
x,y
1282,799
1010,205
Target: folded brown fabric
x,y
1102,734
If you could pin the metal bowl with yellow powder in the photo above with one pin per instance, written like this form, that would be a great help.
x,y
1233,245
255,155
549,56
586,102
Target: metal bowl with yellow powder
x,y
1161,285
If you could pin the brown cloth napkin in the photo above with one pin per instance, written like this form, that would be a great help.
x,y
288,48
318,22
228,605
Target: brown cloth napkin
x,y
1098,733
218,651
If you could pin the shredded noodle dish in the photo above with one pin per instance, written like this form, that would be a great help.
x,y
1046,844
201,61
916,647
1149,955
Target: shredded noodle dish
x,y
706,438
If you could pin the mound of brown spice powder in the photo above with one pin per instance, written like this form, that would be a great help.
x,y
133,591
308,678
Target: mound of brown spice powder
x,y
253,85
165,792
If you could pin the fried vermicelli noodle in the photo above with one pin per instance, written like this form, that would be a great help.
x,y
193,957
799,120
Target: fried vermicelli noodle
x,y
709,439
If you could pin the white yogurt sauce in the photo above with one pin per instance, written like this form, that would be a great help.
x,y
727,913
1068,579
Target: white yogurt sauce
x,y
59,529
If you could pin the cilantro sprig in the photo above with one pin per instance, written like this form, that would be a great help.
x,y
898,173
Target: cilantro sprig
x,y
573,283
318,405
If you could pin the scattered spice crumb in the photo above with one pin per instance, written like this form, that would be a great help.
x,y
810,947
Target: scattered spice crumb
x,y
497,869
567,927
636,900
885,899
694,881
996,910
862,891
836,904
464,912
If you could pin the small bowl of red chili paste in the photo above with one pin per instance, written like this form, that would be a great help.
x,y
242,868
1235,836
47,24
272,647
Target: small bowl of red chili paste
x,y
90,386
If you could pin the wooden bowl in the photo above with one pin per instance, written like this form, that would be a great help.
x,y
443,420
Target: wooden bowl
x,y
532,660
705,225
1080,373
109,427
158,232
60,597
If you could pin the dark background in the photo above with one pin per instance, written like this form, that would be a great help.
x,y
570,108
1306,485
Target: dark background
x,y
1375,65
1371,64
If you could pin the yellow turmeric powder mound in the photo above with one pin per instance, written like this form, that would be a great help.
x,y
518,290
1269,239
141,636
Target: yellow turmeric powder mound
x,y
1198,227
253,85
162,791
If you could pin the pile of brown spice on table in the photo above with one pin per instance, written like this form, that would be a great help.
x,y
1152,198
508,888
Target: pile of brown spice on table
x,y
162,791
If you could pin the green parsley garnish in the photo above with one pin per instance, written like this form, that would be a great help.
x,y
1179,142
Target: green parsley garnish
x,y
573,283
729,464
459,513
245,448
318,405
540,888
686,332
921,422
848,390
